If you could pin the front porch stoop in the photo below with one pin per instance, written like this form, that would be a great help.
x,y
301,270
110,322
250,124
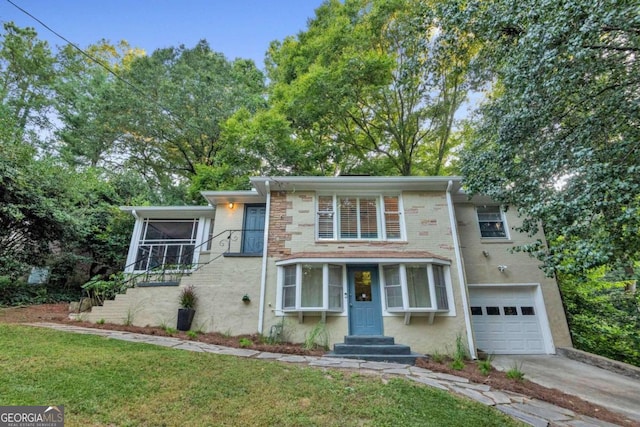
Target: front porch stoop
x,y
374,348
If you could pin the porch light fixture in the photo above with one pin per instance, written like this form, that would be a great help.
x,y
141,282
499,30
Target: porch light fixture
x,y
502,268
231,205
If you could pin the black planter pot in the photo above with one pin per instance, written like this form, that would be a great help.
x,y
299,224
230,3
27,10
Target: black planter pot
x,y
185,317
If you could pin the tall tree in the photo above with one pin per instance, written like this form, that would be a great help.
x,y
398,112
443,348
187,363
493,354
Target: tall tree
x,y
377,81
560,135
85,101
26,74
172,120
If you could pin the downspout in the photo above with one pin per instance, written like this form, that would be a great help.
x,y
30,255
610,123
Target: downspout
x,y
265,246
461,275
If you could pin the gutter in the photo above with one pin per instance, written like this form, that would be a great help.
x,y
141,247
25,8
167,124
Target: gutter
x,y
265,245
461,275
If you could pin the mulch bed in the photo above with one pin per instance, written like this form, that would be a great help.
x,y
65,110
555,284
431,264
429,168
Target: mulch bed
x,y
498,380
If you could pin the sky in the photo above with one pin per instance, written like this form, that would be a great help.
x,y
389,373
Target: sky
x,y
237,28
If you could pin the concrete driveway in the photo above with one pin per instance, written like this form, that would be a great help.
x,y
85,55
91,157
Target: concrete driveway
x,y
614,391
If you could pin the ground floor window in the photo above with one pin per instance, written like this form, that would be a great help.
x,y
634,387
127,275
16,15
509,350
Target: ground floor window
x,y
415,287
311,286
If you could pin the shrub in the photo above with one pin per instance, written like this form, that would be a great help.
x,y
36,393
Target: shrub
x,y
317,337
245,342
188,297
100,290
515,373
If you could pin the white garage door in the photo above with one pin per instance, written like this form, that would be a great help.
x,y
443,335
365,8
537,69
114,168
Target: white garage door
x,y
505,320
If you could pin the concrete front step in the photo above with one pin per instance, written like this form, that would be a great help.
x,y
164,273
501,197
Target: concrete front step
x,y
399,349
369,340
375,348
409,359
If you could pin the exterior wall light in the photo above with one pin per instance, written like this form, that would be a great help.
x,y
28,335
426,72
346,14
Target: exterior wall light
x,y
231,205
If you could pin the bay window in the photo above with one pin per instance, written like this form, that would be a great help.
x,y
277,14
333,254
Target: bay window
x,y
311,287
415,287
346,217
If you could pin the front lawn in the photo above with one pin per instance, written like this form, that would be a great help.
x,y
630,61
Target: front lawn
x,y
108,382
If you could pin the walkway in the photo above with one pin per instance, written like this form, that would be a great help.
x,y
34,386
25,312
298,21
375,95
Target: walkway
x,y
531,411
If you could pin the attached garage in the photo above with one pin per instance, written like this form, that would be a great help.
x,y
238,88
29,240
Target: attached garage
x,y
509,319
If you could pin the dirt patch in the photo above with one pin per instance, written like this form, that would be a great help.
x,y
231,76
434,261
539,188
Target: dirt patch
x,y
496,379
35,313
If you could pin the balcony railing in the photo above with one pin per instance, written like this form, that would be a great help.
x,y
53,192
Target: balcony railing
x,y
168,262
238,242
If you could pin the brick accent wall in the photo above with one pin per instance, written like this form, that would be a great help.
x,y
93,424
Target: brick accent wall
x,y
278,221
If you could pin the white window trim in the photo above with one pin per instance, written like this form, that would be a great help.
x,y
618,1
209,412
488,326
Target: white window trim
x,y
450,312
280,310
139,228
380,211
505,225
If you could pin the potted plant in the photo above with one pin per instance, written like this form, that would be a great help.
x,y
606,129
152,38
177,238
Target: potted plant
x,y
187,310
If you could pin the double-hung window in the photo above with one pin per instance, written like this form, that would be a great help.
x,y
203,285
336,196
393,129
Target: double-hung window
x,y
311,287
415,287
491,222
362,217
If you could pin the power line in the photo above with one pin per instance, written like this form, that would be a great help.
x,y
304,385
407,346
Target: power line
x,y
113,73
109,70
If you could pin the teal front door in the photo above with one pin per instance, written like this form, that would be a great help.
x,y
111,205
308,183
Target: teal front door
x,y
253,230
365,311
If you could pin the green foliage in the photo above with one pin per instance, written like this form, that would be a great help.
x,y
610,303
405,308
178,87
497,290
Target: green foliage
x,y
187,96
245,342
192,334
128,320
485,365
90,371
459,354
100,290
557,139
457,364
438,357
85,94
318,337
371,87
460,351
170,331
26,75
188,297
515,372
100,322
603,316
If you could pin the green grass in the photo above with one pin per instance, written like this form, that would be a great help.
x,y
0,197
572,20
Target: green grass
x,y
105,382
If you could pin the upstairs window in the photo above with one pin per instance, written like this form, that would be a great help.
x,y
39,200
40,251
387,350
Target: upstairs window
x,y
359,218
491,222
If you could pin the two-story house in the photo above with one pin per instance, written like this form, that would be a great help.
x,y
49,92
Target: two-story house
x,y
411,258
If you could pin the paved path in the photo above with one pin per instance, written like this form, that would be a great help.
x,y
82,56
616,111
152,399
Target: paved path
x,y
531,411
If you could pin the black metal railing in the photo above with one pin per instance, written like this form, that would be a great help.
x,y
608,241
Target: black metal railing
x,y
167,269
